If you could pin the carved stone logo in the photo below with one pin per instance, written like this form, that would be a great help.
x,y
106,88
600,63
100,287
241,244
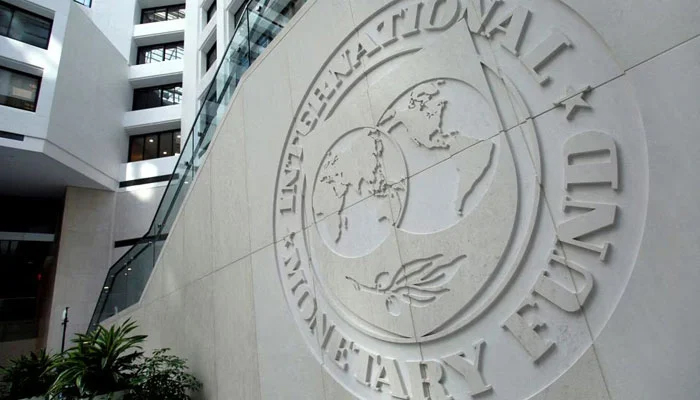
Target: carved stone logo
x,y
454,215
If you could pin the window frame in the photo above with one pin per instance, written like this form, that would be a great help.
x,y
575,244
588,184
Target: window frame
x,y
163,46
160,89
175,142
13,8
211,11
167,9
38,88
208,62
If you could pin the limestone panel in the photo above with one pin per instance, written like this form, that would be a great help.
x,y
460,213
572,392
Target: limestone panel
x,y
230,222
305,59
237,370
288,370
266,93
171,267
584,381
644,349
197,223
637,30
184,322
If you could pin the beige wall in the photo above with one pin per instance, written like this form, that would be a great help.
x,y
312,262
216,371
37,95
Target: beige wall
x,y
84,255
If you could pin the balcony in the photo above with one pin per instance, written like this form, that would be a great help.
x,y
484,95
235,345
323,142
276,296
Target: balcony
x,y
153,119
156,74
159,32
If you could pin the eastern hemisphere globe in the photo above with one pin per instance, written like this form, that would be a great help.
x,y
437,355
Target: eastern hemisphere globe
x,y
406,173
359,187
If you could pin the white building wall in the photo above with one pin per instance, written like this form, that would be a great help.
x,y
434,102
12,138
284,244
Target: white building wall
x,y
36,61
92,93
116,19
190,77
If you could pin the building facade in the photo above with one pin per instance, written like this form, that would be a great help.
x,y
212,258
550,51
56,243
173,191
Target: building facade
x,y
95,98
404,199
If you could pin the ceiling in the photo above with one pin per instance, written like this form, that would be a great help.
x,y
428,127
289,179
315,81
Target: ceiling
x,y
32,174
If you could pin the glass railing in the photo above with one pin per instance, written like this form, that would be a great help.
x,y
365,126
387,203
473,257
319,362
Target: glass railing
x,y
258,24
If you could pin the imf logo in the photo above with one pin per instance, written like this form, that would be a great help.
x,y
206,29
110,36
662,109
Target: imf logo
x,y
449,199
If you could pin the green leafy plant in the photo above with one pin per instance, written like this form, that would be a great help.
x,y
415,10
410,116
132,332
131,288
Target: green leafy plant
x,y
29,376
102,361
163,377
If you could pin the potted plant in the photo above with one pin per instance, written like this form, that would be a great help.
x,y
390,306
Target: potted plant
x,y
163,377
29,376
100,365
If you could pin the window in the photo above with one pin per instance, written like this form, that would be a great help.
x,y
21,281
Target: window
x,y
24,26
157,96
239,13
211,56
154,145
159,14
86,3
211,11
18,90
161,52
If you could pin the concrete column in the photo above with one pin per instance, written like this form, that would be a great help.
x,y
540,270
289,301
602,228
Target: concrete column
x,y
84,254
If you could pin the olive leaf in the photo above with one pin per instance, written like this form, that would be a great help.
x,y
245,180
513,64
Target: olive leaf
x,y
417,283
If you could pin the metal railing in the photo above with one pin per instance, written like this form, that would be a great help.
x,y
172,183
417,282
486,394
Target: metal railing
x,y
260,22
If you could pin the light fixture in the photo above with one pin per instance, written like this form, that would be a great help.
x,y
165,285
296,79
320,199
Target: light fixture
x,y
150,140
165,153
106,287
128,269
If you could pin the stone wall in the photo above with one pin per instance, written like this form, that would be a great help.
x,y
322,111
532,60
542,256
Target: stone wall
x,y
503,208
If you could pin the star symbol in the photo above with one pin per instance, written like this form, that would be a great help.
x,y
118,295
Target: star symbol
x,y
574,100
289,239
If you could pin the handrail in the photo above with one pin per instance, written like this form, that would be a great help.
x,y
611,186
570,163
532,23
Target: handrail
x,y
127,278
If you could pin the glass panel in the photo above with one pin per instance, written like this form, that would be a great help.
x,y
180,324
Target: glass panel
x,y
165,145
136,275
154,15
176,141
211,11
136,148
263,27
5,17
148,55
239,14
211,56
172,95
150,147
30,29
176,12
18,90
180,50
174,51
147,98
141,56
